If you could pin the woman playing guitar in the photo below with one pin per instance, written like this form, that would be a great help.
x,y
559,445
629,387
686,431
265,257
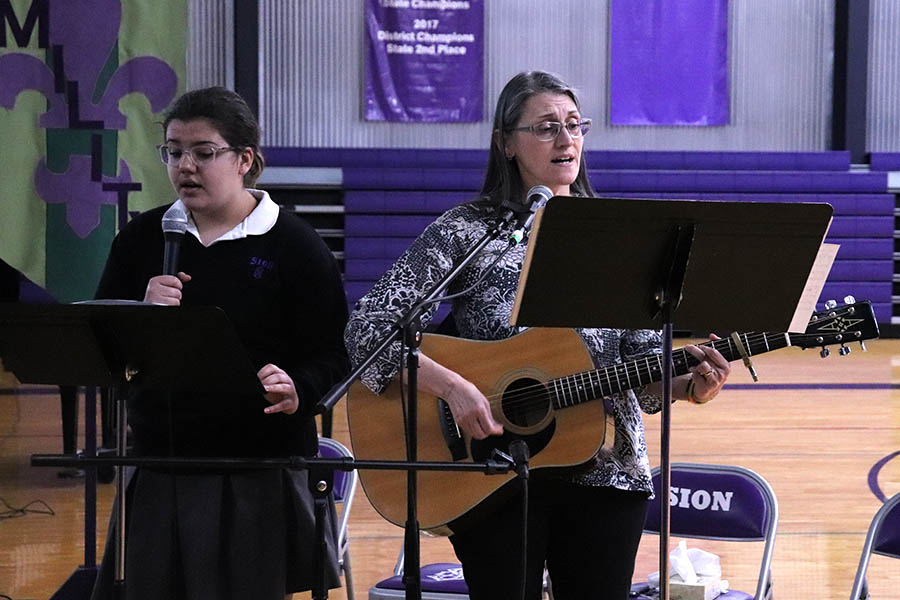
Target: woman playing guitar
x,y
584,522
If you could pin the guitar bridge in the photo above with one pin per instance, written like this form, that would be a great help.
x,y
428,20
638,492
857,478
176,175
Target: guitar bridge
x,y
452,437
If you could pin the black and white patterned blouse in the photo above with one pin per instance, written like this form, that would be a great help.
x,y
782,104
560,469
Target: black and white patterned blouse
x,y
483,314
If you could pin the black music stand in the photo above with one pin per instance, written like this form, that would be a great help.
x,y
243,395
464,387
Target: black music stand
x,y
108,343
630,263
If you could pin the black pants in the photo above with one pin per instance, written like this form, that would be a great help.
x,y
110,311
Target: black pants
x,y
588,537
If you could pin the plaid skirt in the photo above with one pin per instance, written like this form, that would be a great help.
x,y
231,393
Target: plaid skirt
x,y
242,534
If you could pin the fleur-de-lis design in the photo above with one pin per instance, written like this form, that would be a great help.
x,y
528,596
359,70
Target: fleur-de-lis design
x,y
79,55
83,90
82,196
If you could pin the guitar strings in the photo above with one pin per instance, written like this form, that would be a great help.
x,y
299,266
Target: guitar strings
x,y
529,394
521,397
540,391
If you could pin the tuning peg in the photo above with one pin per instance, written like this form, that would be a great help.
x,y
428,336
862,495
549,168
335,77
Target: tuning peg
x,y
829,304
849,300
825,353
844,350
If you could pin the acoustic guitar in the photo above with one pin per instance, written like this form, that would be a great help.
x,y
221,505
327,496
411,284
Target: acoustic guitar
x,y
542,387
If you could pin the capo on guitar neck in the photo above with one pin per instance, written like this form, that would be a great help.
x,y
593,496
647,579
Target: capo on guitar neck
x,y
746,357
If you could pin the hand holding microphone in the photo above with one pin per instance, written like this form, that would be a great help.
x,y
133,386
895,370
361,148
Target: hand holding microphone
x,y
166,288
174,224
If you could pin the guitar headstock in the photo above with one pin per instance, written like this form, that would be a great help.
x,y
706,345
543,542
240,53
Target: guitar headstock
x,y
853,322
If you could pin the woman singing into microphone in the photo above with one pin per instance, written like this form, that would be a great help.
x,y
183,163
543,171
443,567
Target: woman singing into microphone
x,y
584,522
228,534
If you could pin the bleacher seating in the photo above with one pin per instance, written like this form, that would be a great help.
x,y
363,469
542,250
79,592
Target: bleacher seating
x,y
390,196
884,161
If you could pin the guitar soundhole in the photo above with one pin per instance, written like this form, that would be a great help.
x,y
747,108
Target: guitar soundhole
x,y
526,402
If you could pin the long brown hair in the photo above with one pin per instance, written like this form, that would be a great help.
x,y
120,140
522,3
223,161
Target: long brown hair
x,y
503,181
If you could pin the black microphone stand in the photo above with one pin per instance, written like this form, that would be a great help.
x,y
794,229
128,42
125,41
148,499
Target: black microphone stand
x,y
519,452
408,328
321,476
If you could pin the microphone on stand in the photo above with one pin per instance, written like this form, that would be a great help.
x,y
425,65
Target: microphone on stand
x,y
536,198
514,211
174,224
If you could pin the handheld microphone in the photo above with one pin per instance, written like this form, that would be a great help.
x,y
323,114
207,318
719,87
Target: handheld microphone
x,y
174,224
536,198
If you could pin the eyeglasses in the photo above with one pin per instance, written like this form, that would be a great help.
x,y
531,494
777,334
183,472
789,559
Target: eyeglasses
x,y
548,131
201,155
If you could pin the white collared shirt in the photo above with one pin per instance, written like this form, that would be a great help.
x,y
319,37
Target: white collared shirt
x,y
258,222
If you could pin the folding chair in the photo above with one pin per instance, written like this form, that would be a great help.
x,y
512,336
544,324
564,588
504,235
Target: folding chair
x,y
440,581
883,538
719,502
343,490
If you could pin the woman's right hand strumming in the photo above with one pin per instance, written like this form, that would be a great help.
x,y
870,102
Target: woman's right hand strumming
x,y
470,408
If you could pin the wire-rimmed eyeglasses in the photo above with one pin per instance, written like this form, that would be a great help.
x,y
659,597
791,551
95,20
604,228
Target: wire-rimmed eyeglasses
x,y
201,155
547,131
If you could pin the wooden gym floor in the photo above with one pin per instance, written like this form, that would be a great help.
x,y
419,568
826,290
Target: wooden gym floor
x,y
824,433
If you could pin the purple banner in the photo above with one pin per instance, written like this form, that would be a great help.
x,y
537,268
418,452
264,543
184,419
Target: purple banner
x,y
424,60
669,62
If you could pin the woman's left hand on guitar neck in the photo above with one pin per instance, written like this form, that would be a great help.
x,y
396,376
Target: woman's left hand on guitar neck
x,y
708,375
706,378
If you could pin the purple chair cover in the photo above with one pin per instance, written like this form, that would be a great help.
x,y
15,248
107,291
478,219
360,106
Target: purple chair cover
x,y
343,489
344,483
437,577
712,505
720,502
883,538
887,542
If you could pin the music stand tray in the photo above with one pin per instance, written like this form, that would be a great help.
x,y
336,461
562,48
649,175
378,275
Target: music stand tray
x,y
107,343
189,348
599,262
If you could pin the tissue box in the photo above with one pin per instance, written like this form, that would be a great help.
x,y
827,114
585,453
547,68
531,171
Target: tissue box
x,y
706,588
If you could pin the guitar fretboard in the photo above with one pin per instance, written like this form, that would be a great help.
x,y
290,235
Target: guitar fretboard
x,y
590,385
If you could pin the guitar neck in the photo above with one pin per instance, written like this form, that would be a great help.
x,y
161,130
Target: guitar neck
x,y
591,385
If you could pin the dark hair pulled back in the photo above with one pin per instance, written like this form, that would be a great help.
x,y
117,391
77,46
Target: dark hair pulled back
x,y
229,114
